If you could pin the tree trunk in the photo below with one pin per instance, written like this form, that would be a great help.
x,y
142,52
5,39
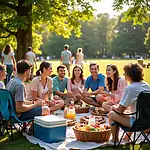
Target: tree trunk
x,y
24,36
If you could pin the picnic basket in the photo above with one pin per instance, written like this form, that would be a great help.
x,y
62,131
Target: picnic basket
x,y
98,137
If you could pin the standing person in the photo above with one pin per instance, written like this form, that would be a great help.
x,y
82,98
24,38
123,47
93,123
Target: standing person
x,y
133,73
60,82
2,76
30,56
95,82
115,85
79,57
8,59
66,58
26,110
41,88
76,84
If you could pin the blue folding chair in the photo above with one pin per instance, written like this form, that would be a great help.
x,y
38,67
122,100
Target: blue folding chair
x,y
8,115
141,123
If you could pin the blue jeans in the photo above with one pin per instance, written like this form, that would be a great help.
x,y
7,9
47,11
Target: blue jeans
x,y
37,111
9,70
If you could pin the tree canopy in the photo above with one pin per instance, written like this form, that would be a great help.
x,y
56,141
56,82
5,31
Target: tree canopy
x,y
20,18
137,11
23,22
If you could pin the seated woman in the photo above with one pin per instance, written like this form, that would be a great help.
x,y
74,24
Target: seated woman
x,y
75,85
115,86
41,88
133,73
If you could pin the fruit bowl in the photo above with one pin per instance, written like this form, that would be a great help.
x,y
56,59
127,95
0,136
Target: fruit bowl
x,y
101,135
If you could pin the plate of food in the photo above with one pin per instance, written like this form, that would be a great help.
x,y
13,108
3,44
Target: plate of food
x,y
99,111
71,122
98,119
82,108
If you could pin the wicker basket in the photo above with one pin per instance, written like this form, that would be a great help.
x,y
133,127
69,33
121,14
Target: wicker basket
x,y
80,110
98,137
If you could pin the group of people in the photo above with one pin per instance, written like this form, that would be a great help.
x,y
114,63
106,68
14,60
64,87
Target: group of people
x,y
47,94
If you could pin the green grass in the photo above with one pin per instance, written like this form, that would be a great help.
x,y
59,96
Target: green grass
x,y
22,143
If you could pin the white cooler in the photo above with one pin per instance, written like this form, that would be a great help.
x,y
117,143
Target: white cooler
x,y
50,128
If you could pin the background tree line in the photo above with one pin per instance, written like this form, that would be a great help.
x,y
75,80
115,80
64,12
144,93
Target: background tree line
x,y
38,23
103,37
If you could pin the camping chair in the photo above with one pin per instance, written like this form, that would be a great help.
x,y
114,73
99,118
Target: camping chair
x,y
8,115
141,123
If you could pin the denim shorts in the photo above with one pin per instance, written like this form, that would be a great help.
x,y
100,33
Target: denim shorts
x,y
37,111
132,119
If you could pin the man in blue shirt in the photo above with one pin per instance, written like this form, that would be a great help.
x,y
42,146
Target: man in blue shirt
x,y
95,82
60,82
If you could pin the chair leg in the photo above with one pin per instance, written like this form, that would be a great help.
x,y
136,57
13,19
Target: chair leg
x,y
145,138
12,136
115,138
134,136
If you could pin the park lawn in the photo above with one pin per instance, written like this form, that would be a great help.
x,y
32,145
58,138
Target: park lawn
x,y
22,143
103,63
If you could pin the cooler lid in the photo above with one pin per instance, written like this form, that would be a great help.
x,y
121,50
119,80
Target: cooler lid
x,y
50,120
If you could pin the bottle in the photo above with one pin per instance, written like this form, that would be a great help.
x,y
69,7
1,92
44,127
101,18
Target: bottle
x,y
71,113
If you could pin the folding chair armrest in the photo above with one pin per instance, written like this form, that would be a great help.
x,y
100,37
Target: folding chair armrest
x,y
123,113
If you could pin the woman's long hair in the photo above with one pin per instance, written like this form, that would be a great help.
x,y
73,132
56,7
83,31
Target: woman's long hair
x,y
113,86
43,65
73,75
7,49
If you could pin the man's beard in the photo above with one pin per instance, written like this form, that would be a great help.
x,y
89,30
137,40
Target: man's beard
x,y
62,76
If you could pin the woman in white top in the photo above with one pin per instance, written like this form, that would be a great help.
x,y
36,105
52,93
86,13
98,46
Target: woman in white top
x,y
79,57
8,59
41,88
2,76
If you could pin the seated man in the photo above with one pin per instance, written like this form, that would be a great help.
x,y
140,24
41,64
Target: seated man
x,y
60,83
97,83
25,109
